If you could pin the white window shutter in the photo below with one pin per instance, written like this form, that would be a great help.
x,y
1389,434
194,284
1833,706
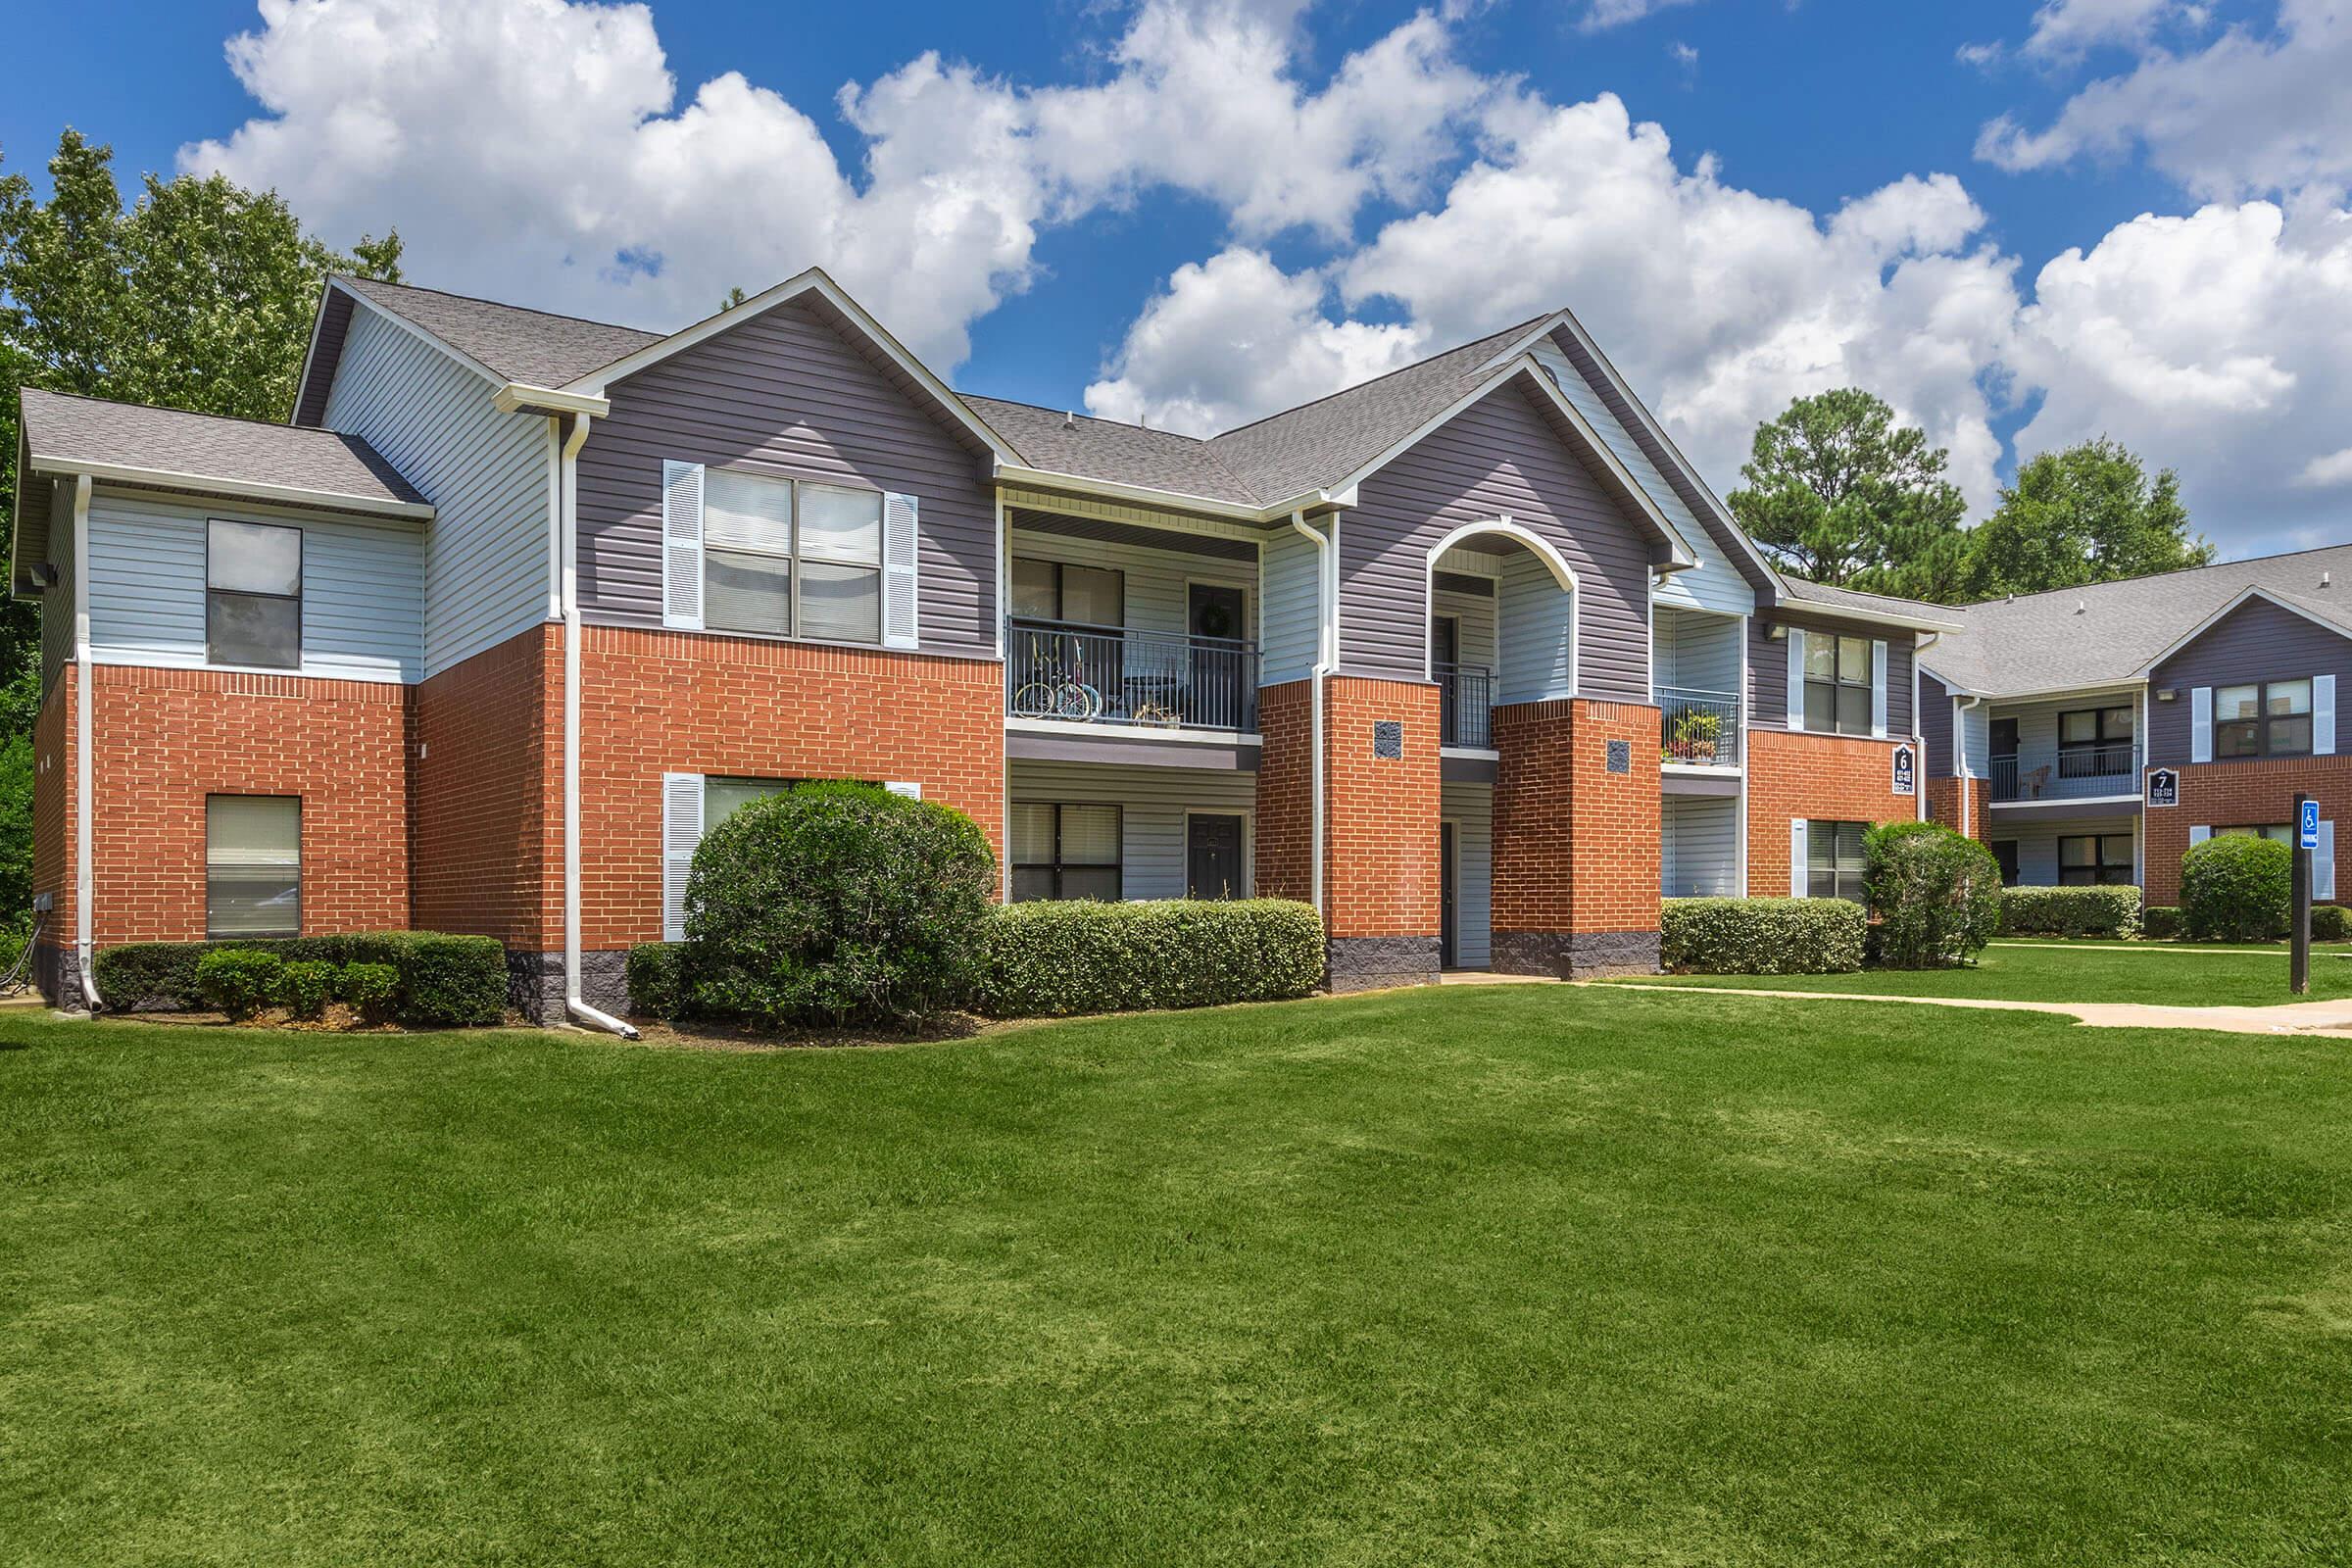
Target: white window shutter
x,y
2323,716
901,577
1798,856
682,545
681,831
1878,689
1797,679
2198,835
2323,863
2200,724
912,791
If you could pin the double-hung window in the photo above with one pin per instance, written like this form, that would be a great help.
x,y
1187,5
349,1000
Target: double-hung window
x,y
2090,859
252,865
790,560
2270,720
1837,684
1065,852
1054,590
252,595
2094,742
722,798
1834,860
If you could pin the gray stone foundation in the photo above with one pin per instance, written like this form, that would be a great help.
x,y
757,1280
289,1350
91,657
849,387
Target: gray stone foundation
x,y
1372,963
57,975
1576,955
535,984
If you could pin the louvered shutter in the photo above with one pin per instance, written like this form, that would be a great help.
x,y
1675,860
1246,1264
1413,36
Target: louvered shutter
x,y
681,831
1798,857
2323,716
2323,863
1878,689
901,577
682,545
1796,681
2200,724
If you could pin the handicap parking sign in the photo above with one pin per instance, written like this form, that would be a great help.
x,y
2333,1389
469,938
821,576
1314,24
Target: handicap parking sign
x,y
2307,831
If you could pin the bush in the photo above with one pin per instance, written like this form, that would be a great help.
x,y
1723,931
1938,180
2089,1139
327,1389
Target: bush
x,y
1051,960
304,987
1760,936
442,979
2103,911
369,988
2236,887
837,903
240,981
2160,922
2329,922
1937,894
655,982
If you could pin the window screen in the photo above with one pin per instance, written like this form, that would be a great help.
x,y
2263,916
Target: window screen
x,y
252,595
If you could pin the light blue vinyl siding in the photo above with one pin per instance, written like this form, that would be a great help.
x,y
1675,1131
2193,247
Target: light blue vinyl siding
x,y
1701,857
1696,651
1153,581
2038,844
1470,807
1152,802
1975,741
1290,616
1714,583
1536,632
485,472
361,593
1475,616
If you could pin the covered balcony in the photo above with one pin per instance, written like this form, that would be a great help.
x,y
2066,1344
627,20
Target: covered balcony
x,y
2077,749
1081,673
1696,663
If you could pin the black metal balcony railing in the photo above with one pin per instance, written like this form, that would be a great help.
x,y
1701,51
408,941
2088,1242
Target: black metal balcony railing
x,y
1465,706
1698,729
1083,675
2067,772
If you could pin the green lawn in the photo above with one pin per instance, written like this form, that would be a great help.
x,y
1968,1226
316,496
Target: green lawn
x,y
2165,973
1483,1275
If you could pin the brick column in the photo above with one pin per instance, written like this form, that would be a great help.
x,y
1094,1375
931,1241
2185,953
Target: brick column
x,y
1284,829
1577,840
1943,806
1381,905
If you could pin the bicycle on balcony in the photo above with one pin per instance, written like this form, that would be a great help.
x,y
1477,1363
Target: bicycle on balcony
x,y
1053,689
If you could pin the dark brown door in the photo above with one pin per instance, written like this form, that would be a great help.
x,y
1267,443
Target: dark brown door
x,y
2004,759
1449,917
1444,664
1221,697
1212,856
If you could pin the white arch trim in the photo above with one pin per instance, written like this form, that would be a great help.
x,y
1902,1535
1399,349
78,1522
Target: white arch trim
x,y
1542,550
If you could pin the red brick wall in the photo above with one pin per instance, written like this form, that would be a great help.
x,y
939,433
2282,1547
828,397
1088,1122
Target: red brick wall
x,y
2246,794
486,795
1832,778
1943,806
656,702
1577,848
53,757
165,739
1381,845
1286,807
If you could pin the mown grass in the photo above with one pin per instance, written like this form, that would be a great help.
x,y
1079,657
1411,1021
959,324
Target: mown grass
x,y
1504,1275
2169,974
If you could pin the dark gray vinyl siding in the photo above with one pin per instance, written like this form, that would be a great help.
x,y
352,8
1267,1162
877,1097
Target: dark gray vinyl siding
x,y
1498,457
791,394
334,321
2256,641
1934,727
1768,668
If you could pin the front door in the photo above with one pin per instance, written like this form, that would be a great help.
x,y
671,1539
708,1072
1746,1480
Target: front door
x,y
1222,690
2004,759
1448,942
1212,856
1444,660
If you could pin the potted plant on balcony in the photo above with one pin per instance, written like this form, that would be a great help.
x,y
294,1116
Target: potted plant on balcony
x,y
1693,737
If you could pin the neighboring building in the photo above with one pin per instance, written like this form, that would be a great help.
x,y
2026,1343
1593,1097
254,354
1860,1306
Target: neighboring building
x,y
517,606
2101,731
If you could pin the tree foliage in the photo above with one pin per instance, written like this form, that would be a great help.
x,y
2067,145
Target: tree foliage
x,y
1838,492
2087,513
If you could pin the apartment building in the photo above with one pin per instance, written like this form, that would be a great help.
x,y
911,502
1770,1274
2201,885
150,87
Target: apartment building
x,y
516,606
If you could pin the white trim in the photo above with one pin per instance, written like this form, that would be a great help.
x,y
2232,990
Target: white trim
x,y
1015,473
2200,724
574,1005
1132,732
1879,659
1561,573
211,484
1747,728
1327,659
118,662
554,517
1795,718
2068,800
1249,817
1475,753
515,396
85,876
1800,858
1790,604
2147,671
310,353
2323,716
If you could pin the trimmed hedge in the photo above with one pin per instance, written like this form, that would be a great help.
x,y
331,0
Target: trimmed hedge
x,y
656,980
304,987
443,980
1053,960
240,981
1937,892
2101,911
369,987
1760,936
2160,922
2331,922
2236,887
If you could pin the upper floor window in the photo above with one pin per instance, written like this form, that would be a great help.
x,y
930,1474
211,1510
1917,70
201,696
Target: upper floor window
x,y
2272,719
1837,684
790,558
252,595
1053,590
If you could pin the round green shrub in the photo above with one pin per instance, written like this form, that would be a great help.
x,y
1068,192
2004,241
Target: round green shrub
x,y
2236,887
369,988
304,987
1937,894
2329,922
240,981
2160,922
654,971
837,903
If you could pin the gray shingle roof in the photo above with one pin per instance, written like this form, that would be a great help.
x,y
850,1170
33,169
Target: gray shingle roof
x,y
2075,638
59,427
529,346
1112,452
1802,591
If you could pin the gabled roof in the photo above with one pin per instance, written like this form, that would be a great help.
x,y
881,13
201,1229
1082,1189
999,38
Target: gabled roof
x,y
1804,594
508,341
2114,633
1112,452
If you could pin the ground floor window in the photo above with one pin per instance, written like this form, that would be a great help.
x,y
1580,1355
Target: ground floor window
x,y
2283,832
1065,852
722,798
2092,859
252,865
1834,860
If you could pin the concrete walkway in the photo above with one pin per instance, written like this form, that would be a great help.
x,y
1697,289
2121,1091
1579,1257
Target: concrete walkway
x,y
2330,1018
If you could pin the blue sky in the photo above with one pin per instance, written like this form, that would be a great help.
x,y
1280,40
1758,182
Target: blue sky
x,y
1093,206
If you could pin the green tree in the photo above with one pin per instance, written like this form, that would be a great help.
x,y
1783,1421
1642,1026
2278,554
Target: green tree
x,y
1838,492
2087,513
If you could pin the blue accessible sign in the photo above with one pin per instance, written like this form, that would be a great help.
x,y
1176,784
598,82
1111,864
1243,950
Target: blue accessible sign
x,y
2307,831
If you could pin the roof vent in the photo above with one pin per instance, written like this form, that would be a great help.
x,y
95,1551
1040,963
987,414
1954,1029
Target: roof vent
x,y
2082,604
1069,420
2323,577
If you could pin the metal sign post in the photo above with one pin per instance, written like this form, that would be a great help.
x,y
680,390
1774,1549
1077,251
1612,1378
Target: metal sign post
x,y
2307,839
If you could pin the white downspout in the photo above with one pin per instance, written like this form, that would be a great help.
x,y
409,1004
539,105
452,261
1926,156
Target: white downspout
x,y
1960,750
1326,659
85,878
1919,742
567,521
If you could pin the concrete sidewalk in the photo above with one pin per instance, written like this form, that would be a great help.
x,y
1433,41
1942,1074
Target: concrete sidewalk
x,y
2327,1019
